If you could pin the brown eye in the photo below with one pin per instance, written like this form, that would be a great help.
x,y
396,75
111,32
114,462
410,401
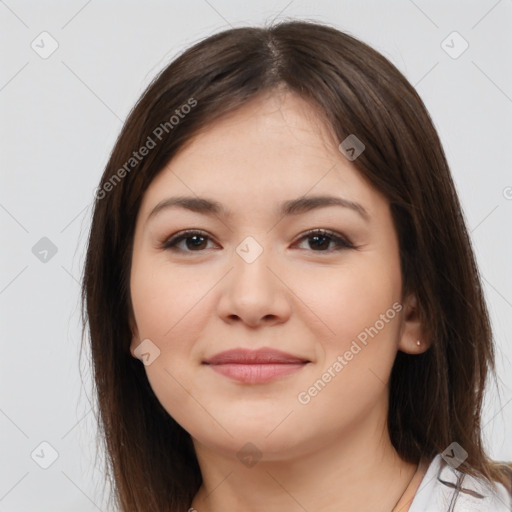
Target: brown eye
x,y
195,241
320,239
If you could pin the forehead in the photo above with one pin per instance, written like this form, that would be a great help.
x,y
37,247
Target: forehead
x,y
281,114
274,148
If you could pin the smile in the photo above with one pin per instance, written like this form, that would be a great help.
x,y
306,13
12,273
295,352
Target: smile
x,y
255,366
256,373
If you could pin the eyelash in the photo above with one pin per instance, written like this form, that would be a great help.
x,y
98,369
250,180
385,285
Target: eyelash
x,y
340,241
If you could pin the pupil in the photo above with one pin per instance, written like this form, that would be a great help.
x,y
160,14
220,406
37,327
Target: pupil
x,y
316,237
197,241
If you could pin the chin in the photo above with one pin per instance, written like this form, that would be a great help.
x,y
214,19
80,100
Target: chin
x,y
253,441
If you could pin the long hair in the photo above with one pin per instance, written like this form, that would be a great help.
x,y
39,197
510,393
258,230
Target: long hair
x,y
436,397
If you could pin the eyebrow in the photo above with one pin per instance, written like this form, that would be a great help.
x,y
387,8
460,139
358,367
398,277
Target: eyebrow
x,y
287,208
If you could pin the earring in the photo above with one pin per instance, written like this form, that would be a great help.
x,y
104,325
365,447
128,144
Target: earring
x,y
418,342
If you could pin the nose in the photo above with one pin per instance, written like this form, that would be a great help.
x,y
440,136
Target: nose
x,y
255,292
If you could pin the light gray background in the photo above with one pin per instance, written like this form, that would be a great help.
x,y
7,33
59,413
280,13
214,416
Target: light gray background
x,y
59,119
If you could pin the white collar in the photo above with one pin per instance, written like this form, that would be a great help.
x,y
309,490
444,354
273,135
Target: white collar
x,y
445,489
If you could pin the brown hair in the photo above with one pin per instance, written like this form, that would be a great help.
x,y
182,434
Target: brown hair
x,y
435,397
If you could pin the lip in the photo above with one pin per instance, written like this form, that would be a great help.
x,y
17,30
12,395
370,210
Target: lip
x,y
259,356
255,366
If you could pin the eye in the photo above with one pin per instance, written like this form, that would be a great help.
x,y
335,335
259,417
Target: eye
x,y
322,238
196,241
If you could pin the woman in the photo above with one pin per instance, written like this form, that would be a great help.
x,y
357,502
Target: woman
x,y
283,304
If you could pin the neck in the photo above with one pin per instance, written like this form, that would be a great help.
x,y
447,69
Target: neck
x,y
359,470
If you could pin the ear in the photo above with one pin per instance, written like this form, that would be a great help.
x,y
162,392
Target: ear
x,y
412,330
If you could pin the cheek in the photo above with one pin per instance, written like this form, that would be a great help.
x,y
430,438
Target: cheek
x,y
361,305
166,302
167,307
343,301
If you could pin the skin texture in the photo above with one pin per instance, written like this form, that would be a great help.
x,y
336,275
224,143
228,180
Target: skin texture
x,y
332,453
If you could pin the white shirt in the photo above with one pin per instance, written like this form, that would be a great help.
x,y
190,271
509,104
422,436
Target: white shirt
x,y
445,489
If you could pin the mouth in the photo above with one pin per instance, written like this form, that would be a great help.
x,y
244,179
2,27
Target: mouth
x,y
255,366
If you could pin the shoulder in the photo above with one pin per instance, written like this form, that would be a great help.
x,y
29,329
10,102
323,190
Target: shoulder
x,y
445,489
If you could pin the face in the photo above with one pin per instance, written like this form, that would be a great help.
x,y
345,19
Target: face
x,y
254,276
